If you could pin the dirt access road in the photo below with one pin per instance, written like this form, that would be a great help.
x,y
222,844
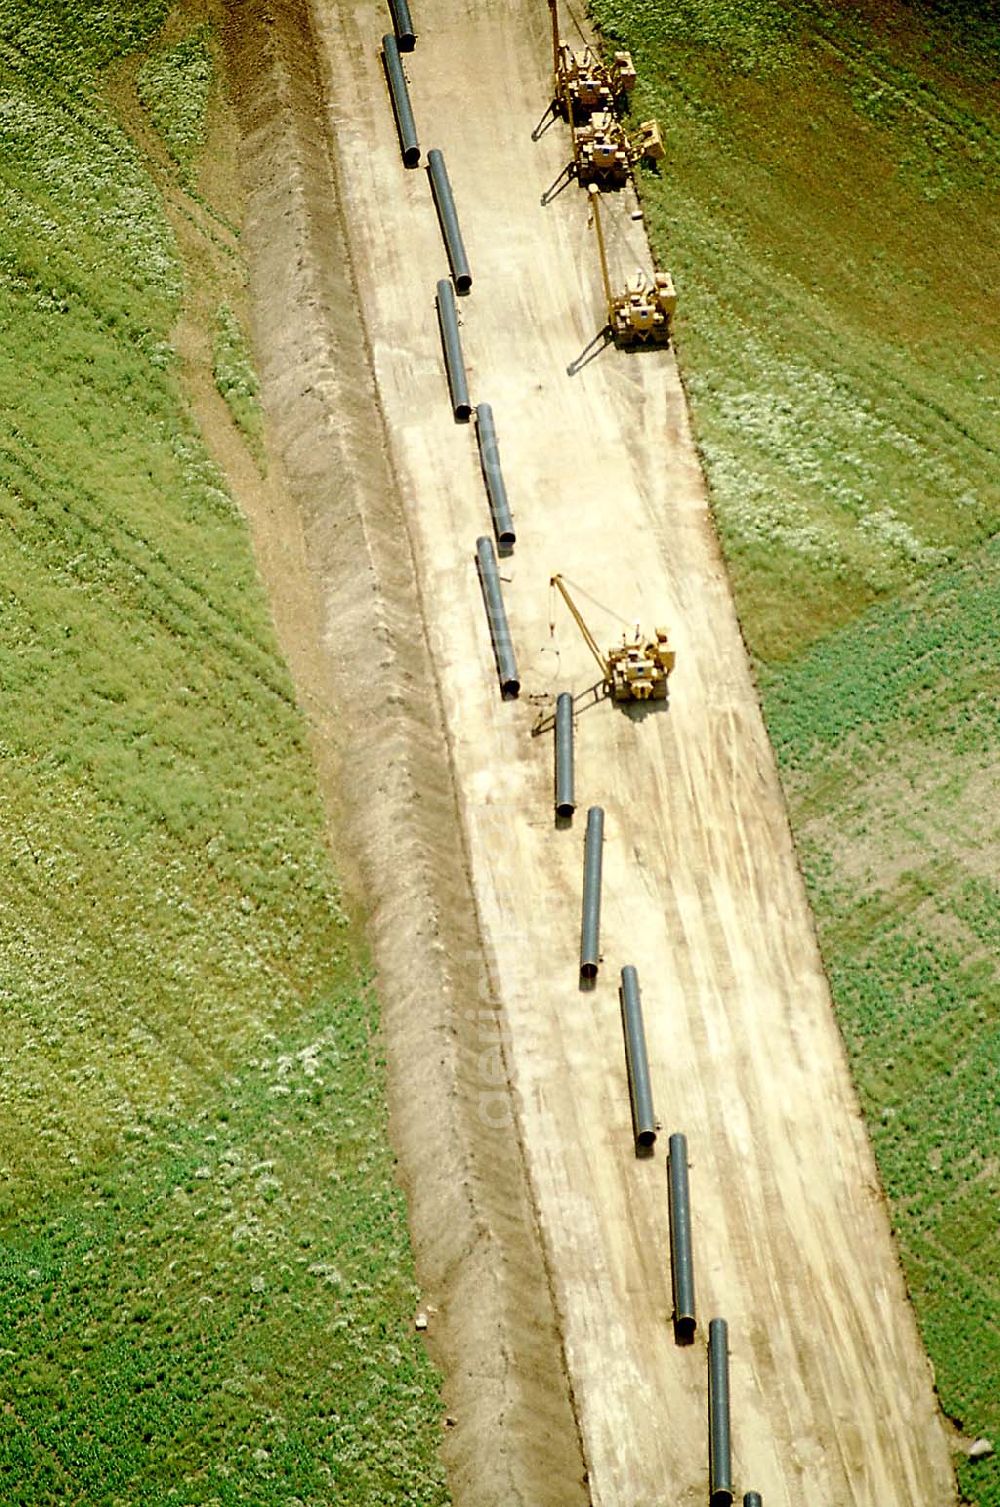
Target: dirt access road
x,y
831,1393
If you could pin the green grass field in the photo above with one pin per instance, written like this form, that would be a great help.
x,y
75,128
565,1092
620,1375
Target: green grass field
x,y
829,208
206,1290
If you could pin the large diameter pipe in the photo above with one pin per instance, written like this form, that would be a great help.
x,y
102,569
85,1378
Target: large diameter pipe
x,y
565,799
496,614
681,1264
637,1062
590,929
454,361
720,1467
496,491
444,201
402,25
752,1499
405,124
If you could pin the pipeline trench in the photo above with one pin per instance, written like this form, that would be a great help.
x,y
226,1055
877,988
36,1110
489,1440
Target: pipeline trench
x,y
543,1241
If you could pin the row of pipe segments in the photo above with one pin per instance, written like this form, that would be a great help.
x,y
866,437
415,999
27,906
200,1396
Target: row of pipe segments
x,y
644,1123
644,1129
403,39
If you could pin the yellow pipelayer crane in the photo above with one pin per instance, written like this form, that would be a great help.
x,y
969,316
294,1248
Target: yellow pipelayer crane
x,y
590,95
581,83
632,672
602,152
642,313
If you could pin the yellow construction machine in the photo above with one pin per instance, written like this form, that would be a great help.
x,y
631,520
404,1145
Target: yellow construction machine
x,y
602,152
582,83
591,95
642,313
635,671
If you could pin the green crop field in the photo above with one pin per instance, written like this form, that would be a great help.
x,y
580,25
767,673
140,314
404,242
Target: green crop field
x,y
829,207
887,732
206,1290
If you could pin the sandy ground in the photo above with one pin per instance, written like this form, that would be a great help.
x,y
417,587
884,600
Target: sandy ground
x,y
525,1082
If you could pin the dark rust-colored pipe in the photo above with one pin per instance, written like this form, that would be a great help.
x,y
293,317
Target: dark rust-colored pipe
x,y
720,1465
496,614
565,798
681,1264
454,361
402,25
405,124
590,928
636,1060
444,202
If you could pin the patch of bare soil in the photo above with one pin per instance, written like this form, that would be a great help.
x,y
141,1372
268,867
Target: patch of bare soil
x,y
332,543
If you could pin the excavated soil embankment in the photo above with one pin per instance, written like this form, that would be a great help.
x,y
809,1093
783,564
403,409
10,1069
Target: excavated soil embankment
x,y
336,540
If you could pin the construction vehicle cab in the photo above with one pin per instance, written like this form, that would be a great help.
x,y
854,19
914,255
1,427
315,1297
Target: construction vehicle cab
x,y
642,313
602,153
581,85
632,671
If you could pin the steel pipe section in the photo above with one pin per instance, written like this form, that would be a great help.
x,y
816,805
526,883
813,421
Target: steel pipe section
x,y
681,1263
565,799
402,25
752,1499
454,361
590,929
405,124
720,1465
447,215
496,491
639,1087
496,614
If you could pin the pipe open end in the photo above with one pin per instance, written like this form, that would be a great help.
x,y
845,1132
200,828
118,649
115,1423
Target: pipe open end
x,y
646,1138
406,41
510,689
463,413
588,970
684,1328
508,537
411,157
463,282
565,808
722,1496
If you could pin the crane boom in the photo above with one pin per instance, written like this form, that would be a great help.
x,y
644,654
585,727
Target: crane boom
x,y
637,669
589,638
556,44
595,204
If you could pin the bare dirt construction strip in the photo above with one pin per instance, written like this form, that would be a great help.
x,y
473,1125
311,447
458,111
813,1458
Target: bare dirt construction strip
x,y
539,1232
